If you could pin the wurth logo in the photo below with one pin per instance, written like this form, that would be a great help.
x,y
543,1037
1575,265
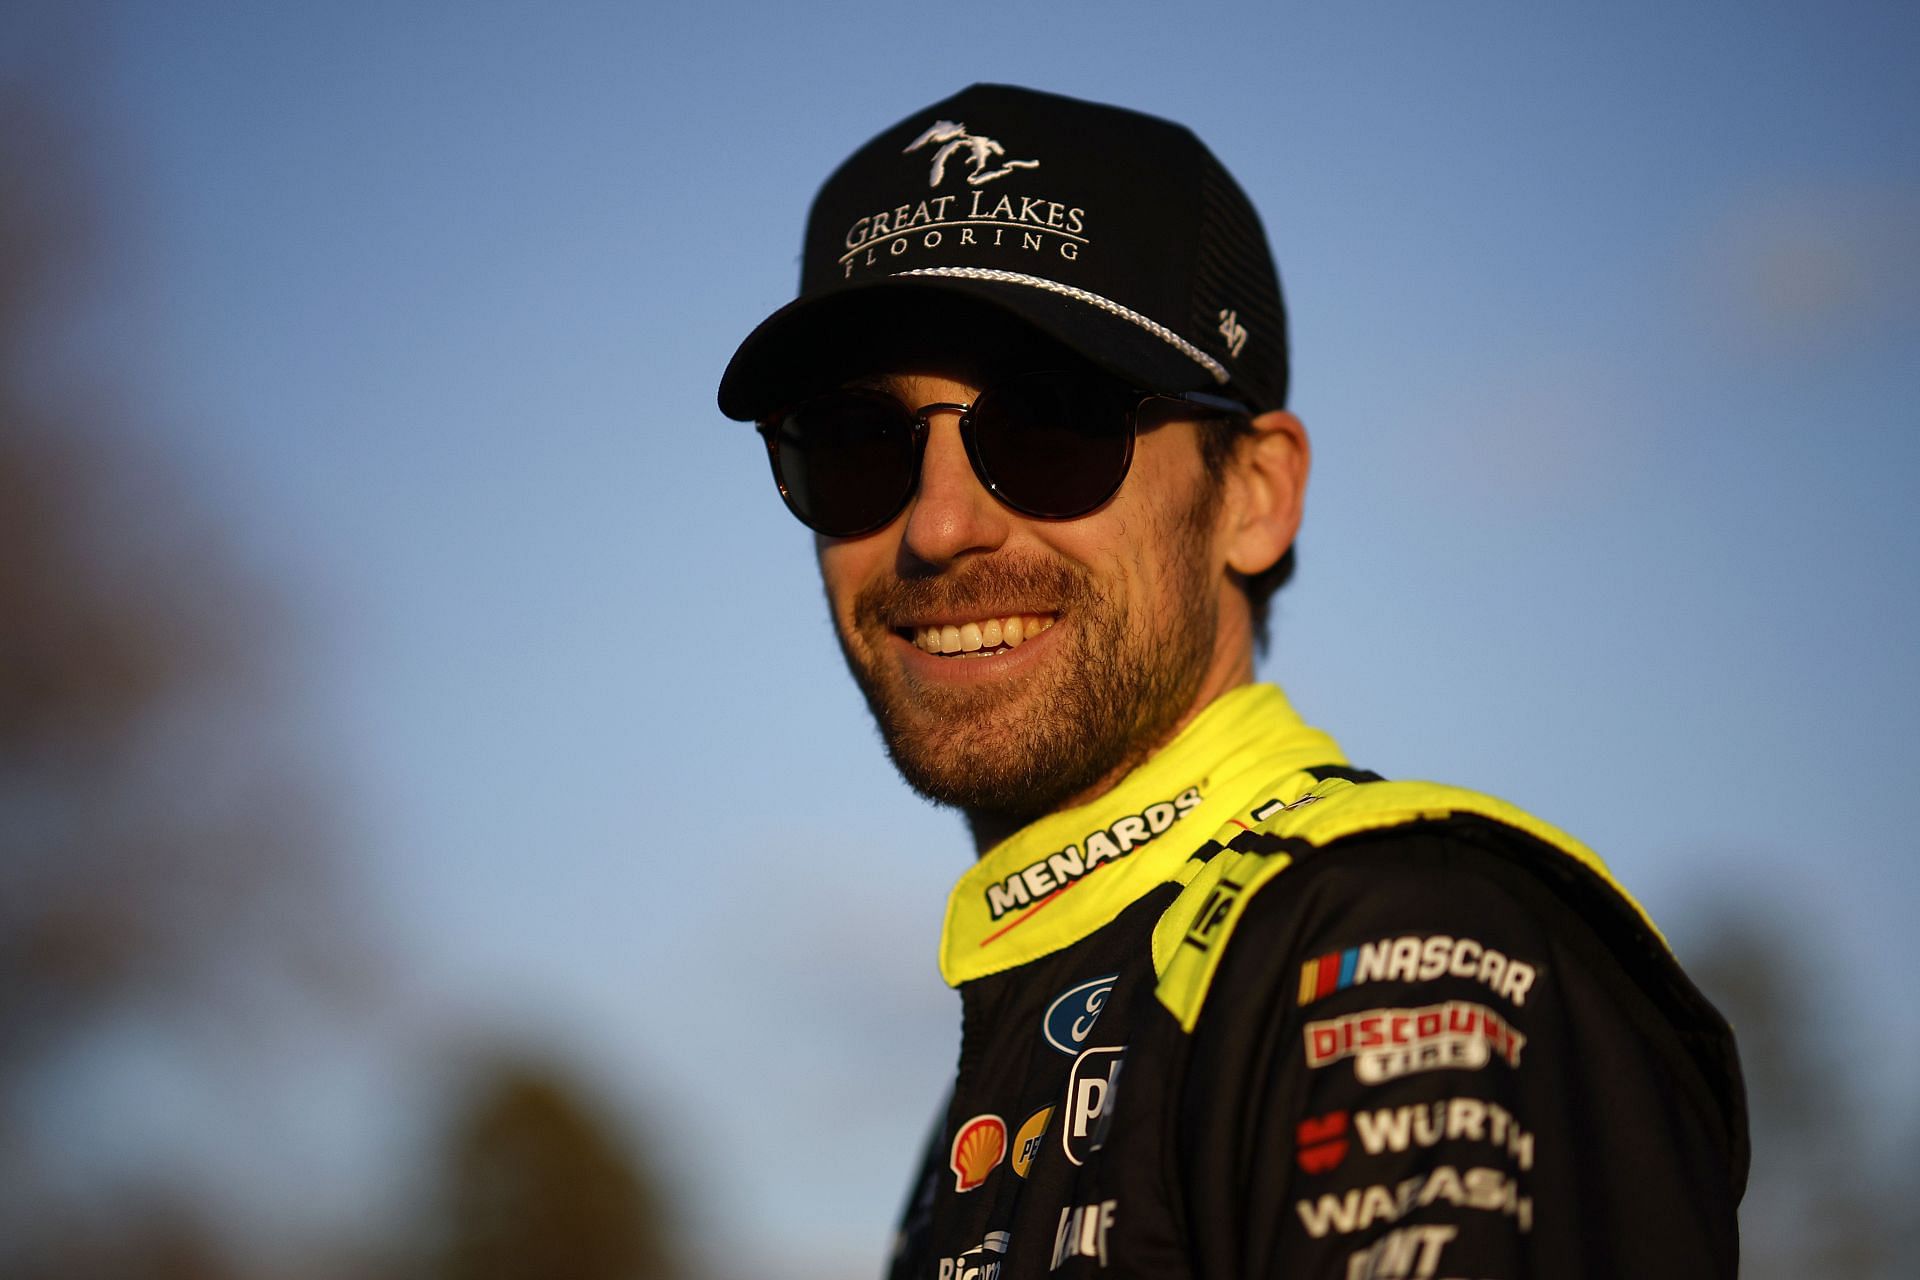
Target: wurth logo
x,y
1321,1142
1424,1124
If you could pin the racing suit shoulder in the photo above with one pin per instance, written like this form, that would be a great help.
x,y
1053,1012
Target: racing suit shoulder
x,y
1338,804
1428,1031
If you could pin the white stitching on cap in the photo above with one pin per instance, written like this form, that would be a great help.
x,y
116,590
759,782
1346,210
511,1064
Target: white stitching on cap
x,y
1108,305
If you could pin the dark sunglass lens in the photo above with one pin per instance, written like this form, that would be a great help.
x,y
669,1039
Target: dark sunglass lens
x,y
1053,445
845,461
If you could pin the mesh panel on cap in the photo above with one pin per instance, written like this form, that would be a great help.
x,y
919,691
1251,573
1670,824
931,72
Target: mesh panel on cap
x,y
1234,270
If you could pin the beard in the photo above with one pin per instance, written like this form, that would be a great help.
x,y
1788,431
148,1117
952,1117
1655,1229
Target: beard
x,y
1109,698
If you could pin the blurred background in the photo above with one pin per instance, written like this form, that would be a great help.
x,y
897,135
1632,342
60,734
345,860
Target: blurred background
x,y
437,838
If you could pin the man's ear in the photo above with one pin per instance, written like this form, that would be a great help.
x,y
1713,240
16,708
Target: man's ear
x,y
1270,473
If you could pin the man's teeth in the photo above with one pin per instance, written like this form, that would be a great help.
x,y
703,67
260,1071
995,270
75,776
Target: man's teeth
x,y
971,637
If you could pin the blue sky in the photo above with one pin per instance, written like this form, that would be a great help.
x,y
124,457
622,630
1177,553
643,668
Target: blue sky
x,y
1603,325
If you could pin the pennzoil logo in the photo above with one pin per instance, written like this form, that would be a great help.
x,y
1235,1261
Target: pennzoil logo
x,y
977,1151
1046,876
1026,1143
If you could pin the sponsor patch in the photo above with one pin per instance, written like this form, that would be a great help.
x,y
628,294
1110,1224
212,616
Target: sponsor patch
x,y
960,214
1090,1099
982,1262
1360,1208
1069,1019
1419,958
1026,1143
1082,1232
1044,877
978,1149
1427,1124
1388,1043
1404,1253
1213,913
1320,1142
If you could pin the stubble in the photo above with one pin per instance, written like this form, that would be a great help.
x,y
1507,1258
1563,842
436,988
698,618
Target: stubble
x,y
1112,694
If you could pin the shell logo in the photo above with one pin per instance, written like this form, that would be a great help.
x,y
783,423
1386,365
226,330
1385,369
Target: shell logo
x,y
978,1148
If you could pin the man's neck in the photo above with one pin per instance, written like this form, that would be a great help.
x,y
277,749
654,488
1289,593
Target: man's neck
x,y
989,828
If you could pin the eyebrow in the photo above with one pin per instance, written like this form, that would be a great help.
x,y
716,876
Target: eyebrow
x,y
972,372
887,382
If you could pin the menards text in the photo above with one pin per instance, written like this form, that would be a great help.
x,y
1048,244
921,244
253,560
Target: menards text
x,y
1058,870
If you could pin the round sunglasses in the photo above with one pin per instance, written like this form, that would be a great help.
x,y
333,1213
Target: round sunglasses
x,y
1053,445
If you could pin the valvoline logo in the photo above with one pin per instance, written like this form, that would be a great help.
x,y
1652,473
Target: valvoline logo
x,y
1069,1019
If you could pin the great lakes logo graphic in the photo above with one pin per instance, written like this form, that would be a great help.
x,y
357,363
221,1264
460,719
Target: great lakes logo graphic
x,y
978,1149
952,137
926,230
1069,1019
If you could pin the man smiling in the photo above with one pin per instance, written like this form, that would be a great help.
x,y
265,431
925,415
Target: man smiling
x,y
1230,1006
1018,665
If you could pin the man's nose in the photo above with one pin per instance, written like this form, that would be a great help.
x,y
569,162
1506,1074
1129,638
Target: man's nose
x,y
951,514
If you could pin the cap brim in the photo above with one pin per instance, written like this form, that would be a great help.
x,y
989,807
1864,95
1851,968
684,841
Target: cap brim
x,y
815,342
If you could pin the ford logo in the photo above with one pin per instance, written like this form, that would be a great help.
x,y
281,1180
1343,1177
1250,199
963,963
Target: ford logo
x,y
1069,1019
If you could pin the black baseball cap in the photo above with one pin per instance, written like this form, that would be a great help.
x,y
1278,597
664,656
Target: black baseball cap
x,y
1113,233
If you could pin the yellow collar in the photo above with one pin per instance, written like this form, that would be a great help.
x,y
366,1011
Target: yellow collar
x,y
1057,880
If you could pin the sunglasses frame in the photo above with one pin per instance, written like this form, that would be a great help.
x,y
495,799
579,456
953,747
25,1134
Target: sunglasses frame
x,y
919,420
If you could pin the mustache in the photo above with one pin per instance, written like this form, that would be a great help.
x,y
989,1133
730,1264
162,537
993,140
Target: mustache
x,y
987,588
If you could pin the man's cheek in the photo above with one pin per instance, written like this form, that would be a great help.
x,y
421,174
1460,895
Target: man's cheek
x,y
843,570
839,595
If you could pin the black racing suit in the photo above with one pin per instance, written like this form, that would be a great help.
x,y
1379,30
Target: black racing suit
x,y
1256,1014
